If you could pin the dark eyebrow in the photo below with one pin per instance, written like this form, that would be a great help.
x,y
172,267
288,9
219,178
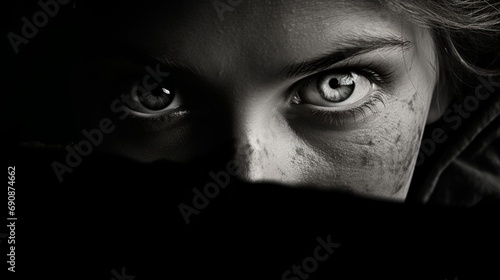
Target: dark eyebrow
x,y
178,68
144,59
349,49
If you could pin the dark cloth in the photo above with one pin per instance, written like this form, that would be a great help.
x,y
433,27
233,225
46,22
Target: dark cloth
x,y
465,169
111,214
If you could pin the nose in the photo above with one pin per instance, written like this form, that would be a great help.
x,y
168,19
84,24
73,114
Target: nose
x,y
264,145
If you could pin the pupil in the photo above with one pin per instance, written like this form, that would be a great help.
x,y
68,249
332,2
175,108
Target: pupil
x,y
157,92
334,83
157,99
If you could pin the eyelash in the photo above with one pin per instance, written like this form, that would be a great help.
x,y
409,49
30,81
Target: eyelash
x,y
341,118
375,73
157,123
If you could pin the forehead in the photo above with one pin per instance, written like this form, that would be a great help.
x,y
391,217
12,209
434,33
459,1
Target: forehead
x,y
210,35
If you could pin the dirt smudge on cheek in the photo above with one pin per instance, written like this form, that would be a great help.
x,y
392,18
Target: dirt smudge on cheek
x,y
243,156
411,103
406,161
299,151
408,151
368,158
398,138
266,152
365,159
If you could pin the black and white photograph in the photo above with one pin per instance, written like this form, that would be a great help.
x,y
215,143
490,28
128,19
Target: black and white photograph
x,y
251,139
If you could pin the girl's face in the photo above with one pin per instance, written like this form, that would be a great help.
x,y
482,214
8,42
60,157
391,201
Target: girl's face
x,y
333,94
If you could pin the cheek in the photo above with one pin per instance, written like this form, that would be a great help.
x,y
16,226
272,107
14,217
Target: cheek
x,y
376,160
389,161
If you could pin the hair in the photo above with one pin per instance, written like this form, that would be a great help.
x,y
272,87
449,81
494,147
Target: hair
x,y
466,34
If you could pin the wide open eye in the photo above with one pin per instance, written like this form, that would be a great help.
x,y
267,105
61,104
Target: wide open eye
x,y
333,90
156,100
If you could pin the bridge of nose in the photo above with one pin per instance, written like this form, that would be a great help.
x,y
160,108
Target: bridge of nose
x,y
241,64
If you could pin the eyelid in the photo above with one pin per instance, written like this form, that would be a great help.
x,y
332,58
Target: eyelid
x,y
177,117
379,74
384,58
139,110
381,79
340,118
358,46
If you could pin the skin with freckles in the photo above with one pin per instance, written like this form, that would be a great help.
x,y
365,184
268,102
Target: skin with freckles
x,y
233,80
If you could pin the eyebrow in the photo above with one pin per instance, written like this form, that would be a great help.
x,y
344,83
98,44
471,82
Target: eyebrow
x,y
145,59
346,50
179,68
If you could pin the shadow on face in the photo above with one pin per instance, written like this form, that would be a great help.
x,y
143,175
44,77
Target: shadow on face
x,y
327,93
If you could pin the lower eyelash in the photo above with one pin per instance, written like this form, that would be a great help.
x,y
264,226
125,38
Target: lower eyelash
x,y
340,118
157,123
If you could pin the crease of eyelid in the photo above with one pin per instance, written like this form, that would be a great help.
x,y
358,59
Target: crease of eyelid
x,y
347,50
358,45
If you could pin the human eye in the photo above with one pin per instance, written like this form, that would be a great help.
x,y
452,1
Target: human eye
x,y
158,106
341,96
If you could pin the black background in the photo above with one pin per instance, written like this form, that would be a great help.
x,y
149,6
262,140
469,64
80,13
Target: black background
x,y
112,213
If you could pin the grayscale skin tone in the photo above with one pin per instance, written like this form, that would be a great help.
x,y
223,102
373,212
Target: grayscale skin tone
x,y
234,83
